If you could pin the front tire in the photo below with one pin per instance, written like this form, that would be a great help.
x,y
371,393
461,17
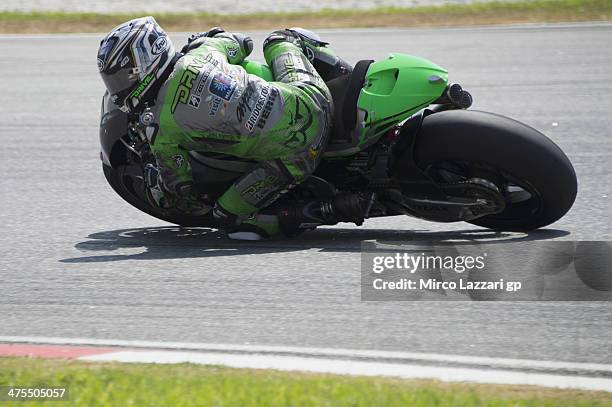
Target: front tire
x,y
504,149
130,189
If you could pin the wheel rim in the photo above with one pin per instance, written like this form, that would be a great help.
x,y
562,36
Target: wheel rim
x,y
523,201
133,183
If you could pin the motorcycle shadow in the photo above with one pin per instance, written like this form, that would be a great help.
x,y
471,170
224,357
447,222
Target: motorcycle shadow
x,y
174,242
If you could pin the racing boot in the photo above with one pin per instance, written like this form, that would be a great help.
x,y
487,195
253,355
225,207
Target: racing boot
x,y
292,220
256,227
295,219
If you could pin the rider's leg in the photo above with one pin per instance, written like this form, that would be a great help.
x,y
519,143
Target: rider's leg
x,y
291,150
284,219
323,58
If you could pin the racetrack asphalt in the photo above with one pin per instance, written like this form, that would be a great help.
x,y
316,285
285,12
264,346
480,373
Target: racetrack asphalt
x,y
76,261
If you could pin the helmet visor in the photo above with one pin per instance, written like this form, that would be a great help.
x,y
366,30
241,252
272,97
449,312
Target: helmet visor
x,y
119,83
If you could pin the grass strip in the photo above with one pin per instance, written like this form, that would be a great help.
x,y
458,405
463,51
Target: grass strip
x,y
523,11
115,384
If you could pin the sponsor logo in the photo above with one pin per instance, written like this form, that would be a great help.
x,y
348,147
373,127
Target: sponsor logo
x,y
100,64
301,120
313,152
215,103
289,65
188,76
210,59
194,101
178,160
260,189
258,108
267,109
222,85
232,52
159,45
202,82
124,61
243,105
299,63
293,64
310,54
294,68
142,86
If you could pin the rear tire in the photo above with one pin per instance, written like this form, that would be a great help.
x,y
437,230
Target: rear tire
x,y
127,189
510,147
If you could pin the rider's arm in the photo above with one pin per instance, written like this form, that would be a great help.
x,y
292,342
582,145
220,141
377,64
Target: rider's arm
x,y
176,177
235,46
171,156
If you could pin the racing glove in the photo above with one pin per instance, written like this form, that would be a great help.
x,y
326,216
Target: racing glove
x,y
156,193
195,40
159,196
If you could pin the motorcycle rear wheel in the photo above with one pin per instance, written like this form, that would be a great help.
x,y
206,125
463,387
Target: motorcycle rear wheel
x,y
535,176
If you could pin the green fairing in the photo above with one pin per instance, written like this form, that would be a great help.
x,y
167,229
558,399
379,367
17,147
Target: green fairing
x,y
396,88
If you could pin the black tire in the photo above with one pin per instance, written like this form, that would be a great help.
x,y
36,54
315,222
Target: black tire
x,y
124,185
514,149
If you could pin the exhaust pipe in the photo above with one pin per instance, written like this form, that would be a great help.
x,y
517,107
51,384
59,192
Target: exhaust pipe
x,y
455,95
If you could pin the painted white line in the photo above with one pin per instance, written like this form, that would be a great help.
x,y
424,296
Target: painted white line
x,y
362,30
490,27
50,36
352,354
359,368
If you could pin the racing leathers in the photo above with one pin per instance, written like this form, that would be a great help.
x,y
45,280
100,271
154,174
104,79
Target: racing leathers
x,y
211,104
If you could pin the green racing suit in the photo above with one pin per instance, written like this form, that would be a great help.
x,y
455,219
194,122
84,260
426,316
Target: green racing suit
x,y
210,104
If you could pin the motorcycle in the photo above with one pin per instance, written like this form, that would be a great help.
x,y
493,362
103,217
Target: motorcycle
x,y
403,142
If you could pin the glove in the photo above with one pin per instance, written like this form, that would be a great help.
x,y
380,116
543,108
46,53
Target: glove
x,y
191,41
185,201
244,42
156,193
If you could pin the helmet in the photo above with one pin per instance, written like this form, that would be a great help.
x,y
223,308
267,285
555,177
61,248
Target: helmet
x,y
131,58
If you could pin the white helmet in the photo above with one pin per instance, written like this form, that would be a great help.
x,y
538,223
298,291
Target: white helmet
x,y
132,58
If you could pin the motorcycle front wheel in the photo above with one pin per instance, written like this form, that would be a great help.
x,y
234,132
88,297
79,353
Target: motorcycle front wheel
x,y
126,181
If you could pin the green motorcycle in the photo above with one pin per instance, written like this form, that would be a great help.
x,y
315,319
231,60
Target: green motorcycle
x,y
402,143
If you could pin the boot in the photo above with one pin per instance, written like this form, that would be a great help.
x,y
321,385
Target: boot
x,y
296,218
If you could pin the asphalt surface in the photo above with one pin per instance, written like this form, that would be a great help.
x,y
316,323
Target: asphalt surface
x,y
76,261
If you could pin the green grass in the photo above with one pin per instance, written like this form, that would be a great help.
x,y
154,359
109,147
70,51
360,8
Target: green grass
x,y
522,11
110,384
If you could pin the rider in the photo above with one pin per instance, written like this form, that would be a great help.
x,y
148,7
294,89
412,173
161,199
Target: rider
x,y
201,100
